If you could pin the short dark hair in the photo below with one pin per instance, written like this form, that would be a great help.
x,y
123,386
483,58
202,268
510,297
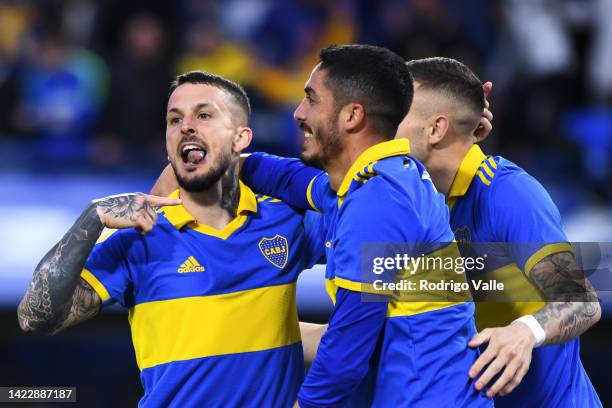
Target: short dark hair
x,y
451,77
373,76
202,77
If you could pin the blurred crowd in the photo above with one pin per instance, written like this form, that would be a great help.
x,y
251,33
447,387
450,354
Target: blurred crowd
x,y
85,82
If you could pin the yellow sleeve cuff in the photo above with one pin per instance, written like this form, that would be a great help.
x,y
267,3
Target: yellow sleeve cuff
x,y
544,252
309,195
360,287
95,284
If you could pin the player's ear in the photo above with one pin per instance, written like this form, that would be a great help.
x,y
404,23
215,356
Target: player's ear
x,y
353,117
438,129
242,140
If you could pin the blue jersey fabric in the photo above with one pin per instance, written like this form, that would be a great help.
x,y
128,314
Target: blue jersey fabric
x,y
419,355
212,312
495,202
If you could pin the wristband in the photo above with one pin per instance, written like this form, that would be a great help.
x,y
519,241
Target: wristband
x,y
535,327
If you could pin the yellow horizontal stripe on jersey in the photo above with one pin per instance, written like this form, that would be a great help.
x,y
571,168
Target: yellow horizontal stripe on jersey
x,y
411,302
204,326
499,308
544,252
396,308
499,314
95,284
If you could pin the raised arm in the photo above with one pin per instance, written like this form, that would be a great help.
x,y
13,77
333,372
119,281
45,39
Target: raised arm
x,y
285,178
57,296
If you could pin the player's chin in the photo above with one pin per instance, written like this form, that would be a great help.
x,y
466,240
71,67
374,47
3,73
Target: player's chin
x,y
312,159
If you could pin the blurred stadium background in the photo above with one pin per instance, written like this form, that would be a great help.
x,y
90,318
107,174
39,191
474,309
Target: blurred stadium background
x,y
83,89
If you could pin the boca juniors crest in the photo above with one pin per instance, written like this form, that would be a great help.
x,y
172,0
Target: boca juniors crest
x,y
276,250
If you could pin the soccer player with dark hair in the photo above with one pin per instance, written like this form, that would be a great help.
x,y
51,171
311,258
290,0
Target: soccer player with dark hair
x,y
371,191
209,278
548,302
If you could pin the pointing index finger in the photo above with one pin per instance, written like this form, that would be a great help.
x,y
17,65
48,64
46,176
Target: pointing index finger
x,y
157,201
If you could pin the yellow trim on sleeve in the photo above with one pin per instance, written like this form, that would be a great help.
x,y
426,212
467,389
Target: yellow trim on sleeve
x,y
359,286
483,178
95,284
544,252
492,163
487,170
106,234
309,195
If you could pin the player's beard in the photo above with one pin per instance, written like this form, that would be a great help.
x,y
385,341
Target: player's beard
x,y
205,181
329,144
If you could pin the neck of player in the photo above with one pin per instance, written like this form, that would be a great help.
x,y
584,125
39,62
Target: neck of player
x,y
215,207
341,164
443,165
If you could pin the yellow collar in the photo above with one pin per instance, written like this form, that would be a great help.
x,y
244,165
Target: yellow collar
x,y
374,153
467,170
179,216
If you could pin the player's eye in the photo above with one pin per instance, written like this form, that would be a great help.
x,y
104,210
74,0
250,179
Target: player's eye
x,y
174,120
204,115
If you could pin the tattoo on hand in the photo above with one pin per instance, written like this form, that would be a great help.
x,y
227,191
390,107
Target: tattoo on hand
x,y
125,206
572,304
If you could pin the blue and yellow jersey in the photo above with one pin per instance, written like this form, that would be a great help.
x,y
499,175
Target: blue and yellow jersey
x,y
212,312
422,358
496,203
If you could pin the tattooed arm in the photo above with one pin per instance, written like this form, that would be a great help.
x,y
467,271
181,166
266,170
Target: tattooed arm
x,y
573,306
57,296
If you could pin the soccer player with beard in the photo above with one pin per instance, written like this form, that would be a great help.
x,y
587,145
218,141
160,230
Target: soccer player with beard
x,y
372,191
211,289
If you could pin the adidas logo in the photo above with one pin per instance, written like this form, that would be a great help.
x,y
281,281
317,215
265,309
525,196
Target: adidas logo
x,y
191,265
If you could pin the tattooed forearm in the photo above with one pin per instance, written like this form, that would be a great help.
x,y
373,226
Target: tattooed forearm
x,y
572,304
57,296
48,299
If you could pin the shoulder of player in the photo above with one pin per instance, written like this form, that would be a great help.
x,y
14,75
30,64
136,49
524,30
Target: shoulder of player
x,y
511,179
379,194
267,203
270,207
513,188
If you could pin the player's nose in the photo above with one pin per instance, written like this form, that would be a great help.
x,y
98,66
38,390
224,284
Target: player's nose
x,y
187,126
300,113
